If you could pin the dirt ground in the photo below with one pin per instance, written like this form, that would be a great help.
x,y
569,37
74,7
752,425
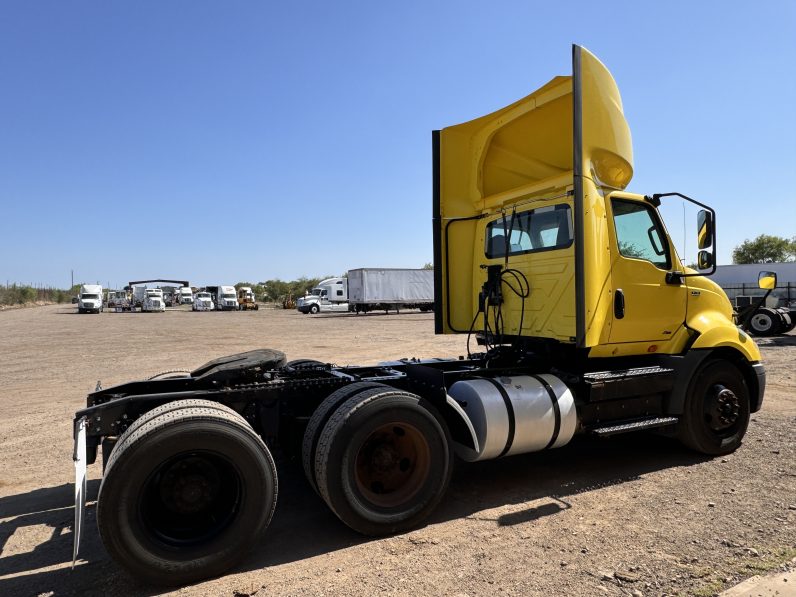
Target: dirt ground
x,y
633,515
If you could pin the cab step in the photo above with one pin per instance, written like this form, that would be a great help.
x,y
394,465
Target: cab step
x,y
626,383
638,425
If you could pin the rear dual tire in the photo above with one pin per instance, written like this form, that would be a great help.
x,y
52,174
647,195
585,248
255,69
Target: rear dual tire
x,y
382,462
188,490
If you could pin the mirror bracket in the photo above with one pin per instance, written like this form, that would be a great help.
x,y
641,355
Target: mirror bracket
x,y
675,278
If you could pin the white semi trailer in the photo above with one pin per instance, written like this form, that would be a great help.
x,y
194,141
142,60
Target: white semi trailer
x,y
372,289
381,289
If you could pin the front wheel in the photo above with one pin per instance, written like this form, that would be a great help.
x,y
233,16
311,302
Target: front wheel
x,y
186,494
383,461
717,409
765,323
314,309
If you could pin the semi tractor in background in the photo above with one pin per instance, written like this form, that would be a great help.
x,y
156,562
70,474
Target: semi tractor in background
x,y
372,289
149,300
586,321
225,298
90,299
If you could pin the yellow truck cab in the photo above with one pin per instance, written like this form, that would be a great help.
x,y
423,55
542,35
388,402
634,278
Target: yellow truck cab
x,y
540,247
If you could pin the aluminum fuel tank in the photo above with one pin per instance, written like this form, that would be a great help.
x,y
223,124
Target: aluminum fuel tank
x,y
514,415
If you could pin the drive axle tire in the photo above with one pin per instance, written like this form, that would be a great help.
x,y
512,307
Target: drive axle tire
x,y
186,494
156,412
383,461
716,412
319,419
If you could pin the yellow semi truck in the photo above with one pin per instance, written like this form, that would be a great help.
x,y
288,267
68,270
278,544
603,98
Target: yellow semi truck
x,y
587,321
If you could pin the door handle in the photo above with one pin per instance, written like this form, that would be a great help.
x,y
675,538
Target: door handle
x,y
619,304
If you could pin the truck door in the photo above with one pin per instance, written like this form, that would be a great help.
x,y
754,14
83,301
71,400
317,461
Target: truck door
x,y
646,307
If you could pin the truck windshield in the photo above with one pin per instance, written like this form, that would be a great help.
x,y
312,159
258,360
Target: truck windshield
x,y
316,292
90,296
228,296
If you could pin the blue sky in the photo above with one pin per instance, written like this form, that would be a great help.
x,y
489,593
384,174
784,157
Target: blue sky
x,y
229,141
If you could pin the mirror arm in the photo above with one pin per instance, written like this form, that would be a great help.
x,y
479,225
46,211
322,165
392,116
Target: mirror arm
x,y
746,317
656,201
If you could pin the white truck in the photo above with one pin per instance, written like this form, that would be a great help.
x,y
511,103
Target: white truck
x,y
186,296
330,295
90,299
372,289
151,299
203,302
225,297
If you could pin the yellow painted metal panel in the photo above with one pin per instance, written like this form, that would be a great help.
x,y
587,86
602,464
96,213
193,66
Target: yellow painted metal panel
x,y
506,159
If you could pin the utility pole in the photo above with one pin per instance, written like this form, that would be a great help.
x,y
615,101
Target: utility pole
x,y
73,280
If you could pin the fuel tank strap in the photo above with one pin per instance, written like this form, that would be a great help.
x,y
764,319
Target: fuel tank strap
x,y
556,409
509,412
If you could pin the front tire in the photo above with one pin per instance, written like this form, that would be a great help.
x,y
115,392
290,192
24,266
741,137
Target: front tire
x,y
717,409
765,322
186,494
383,461
314,309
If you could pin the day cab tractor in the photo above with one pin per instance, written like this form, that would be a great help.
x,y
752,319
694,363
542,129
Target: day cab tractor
x,y
587,319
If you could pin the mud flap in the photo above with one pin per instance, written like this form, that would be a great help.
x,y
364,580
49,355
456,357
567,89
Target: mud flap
x,y
79,457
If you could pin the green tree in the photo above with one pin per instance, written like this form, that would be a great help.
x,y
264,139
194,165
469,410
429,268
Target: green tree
x,y
765,249
428,266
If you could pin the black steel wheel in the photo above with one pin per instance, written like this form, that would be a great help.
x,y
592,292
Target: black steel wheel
x,y
765,322
186,494
383,461
716,412
321,416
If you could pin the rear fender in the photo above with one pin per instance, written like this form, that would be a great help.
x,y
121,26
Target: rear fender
x,y
461,428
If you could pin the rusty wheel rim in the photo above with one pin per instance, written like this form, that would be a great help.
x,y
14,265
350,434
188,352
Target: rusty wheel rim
x,y
392,464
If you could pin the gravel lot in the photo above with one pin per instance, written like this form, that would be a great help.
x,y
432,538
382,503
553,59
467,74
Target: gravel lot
x,y
631,515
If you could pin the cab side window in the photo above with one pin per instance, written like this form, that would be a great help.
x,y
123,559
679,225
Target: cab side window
x,y
541,229
639,234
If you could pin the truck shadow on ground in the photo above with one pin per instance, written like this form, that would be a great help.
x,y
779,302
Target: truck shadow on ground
x,y
304,527
787,340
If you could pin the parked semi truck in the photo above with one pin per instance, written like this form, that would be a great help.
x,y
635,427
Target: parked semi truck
x,y
587,320
330,295
224,297
90,299
372,289
153,301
